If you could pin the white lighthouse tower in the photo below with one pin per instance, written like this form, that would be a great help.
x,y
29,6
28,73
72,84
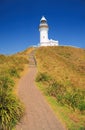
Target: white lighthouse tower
x,y
43,28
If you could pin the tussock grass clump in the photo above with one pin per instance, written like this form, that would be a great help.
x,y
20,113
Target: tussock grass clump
x,y
42,77
14,71
11,111
70,97
6,83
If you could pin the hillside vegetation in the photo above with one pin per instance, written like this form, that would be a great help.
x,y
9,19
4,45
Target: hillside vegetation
x,y
61,73
11,108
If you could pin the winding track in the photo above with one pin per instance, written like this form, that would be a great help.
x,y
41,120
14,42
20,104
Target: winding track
x,y
39,115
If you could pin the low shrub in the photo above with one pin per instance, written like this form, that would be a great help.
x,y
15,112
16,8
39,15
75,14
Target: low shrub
x,y
6,83
56,88
13,72
81,106
11,111
73,98
42,77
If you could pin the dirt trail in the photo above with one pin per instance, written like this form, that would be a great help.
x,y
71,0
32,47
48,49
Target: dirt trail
x,y
39,115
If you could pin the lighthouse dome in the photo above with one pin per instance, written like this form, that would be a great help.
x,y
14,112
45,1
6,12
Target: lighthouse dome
x,y
43,19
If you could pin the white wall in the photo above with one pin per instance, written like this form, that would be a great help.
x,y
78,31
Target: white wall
x,y
43,35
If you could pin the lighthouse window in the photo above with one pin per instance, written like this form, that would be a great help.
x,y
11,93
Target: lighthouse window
x,y
43,36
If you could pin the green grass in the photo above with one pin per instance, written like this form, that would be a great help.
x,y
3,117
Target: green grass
x,y
11,108
63,67
67,64
67,116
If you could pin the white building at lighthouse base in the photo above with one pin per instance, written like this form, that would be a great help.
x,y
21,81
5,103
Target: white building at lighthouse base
x,y
49,43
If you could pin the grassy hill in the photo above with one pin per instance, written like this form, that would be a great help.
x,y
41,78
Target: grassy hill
x,y
61,76
66,64
11,108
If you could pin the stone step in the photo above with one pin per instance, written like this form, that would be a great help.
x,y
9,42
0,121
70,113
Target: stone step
x,y
32,61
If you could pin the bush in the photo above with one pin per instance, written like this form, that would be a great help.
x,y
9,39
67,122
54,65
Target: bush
x,y
13,72
42,77
76,99
73,98
55,89
6,83
11,110
81,106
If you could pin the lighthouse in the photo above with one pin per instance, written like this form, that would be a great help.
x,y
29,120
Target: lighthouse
x,y
44,28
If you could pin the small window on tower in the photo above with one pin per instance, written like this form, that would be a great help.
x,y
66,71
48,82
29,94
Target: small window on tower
x,y
43,36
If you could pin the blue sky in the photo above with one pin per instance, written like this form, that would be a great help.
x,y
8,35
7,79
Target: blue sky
x,y
19,21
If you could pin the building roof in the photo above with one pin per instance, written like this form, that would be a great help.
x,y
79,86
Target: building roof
x,y
43,19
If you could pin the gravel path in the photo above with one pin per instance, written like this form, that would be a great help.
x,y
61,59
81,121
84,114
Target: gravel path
x,y
39,115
